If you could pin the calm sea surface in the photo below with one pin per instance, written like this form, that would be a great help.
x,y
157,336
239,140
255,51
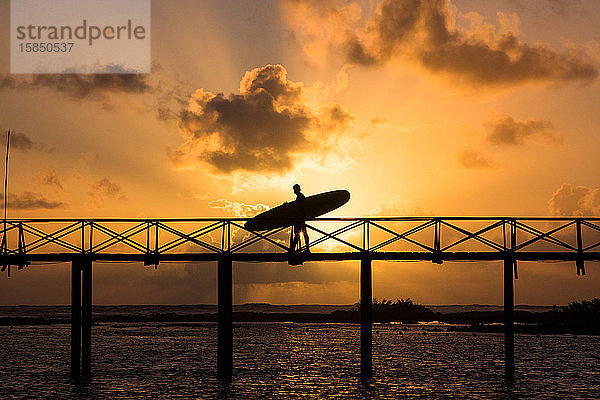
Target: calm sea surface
x,y
278,360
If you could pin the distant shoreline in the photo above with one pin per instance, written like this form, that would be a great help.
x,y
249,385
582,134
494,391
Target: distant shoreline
x,y
468,321
267,307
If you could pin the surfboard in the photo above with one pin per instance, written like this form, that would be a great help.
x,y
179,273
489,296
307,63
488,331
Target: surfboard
x,y
288,213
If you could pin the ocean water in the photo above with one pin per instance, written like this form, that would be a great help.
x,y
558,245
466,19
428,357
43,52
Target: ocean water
x,y
289,361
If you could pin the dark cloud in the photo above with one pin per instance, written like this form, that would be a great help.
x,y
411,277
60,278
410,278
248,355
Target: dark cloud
x,y
165,113
271,79
81,86
31,201
263,128
507,131
426,31
107,188
474,159
571,200
51,178
18,140
168,93
7,82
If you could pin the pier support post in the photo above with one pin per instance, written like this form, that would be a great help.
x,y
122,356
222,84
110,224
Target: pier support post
x,y
75,319
366,318
86,318
509,331
225,318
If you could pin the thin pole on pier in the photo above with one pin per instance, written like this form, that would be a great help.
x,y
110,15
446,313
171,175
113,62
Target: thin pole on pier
x,y
4,246
509,330
225,317
86,318
366,318
75,319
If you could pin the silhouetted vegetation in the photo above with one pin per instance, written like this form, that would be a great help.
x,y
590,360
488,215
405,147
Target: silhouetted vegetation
x,y
578,317
401,310
406,311
582,318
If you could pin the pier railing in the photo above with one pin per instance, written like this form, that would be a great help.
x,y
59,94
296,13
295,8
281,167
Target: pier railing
x,y
434,239
151,241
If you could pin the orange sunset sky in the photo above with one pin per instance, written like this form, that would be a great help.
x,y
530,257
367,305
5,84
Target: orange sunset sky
x,y
417,107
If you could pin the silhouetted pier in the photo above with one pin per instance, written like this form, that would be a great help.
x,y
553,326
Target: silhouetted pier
x,y
224,240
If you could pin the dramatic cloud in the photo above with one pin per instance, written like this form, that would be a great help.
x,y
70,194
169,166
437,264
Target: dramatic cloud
x,y
572,200
266,127
474,159
30,201
507,131
427,32
107,188
238,209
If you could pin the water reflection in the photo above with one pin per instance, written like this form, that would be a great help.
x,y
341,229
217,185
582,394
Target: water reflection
x,y
295,361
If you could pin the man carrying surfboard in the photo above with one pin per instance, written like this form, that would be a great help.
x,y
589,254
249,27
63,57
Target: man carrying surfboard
x,y
299,225
294,214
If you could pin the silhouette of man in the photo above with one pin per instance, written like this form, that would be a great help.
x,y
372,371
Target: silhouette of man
x,y
299,225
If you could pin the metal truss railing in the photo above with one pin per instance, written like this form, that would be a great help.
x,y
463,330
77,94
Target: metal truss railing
x,y
398,238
